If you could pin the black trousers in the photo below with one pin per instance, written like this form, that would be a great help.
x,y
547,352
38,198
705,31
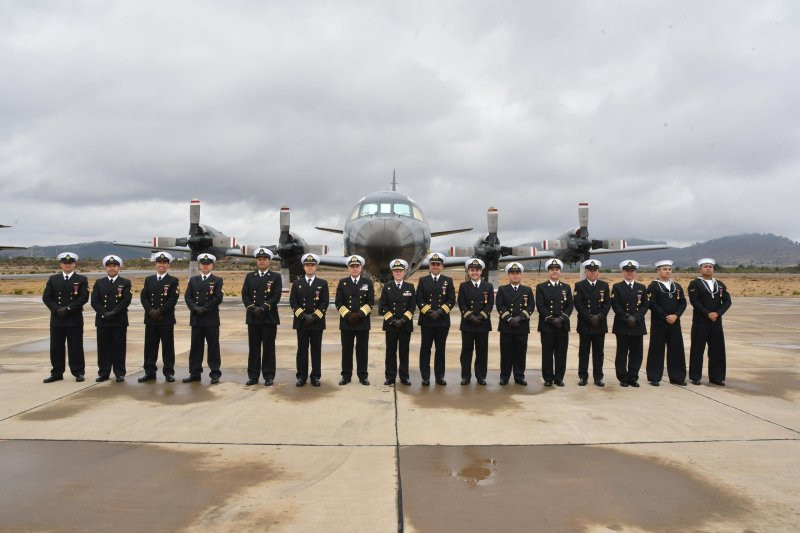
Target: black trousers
x,y
397,341
554,356
306,339
261,357
713,335
361,340
663,335
480,343
153,335
430,337
111,350
73,336
595,342
201,335
629,357
513,352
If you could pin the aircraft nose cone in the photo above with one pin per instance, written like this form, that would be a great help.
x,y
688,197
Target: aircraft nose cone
x,y
384,240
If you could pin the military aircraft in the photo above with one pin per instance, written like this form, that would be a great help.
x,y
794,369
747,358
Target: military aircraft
x,y
4,247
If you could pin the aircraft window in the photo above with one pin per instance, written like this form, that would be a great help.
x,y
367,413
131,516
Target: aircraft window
x,y
386,208
418,213
404,210
355,213
368,209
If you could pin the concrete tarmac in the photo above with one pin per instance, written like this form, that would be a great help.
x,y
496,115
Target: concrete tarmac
x,y
171,456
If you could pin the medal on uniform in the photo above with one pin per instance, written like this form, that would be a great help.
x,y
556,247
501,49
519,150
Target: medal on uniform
x,y
74,289
211,288
564,295
485,297
119,292
166,289
269,286
316,295
444,288
525,300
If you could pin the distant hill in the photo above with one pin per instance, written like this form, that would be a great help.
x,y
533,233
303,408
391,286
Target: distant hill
x,y
87,250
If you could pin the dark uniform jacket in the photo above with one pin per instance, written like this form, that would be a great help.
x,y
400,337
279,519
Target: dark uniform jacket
x,y
111,300
592,301
162,296
264,292
72,294
629,302
355,298
206,294
552,302
479,302
511,303
706,301
310,299
432,295
665,302
397,303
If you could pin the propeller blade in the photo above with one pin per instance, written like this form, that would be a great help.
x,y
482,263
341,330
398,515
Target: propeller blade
x,y
461,251
194,269
523,251
165,242
610,244
284,220
491,220
554,244
493,278
583,214
194,217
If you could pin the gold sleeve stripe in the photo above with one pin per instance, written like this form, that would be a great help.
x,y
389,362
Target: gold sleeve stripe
x,y
484,315
526,314
504,314
408,314
319,313
343,310
366,309
446,309
388,315
465,315
298,312
425,308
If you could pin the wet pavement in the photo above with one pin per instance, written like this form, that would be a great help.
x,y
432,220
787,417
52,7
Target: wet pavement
x,y
169,456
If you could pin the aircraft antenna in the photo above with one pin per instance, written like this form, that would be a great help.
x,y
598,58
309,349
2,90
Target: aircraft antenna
x,y
394,180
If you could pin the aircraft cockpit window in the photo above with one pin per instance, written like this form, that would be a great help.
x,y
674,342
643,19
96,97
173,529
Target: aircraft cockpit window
x,y
418,213
404,210
368,209
386,208
355,213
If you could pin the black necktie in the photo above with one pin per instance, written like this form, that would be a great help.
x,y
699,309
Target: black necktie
x,y
476,285
515,288
158,278
111,280
309,280
66,278
204,278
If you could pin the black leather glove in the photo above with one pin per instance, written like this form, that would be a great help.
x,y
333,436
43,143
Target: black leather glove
x,y
594,320
155,314
308,319
436,314
475,319
398,323
199,311
62,312
109,314
353,318
515,321
257,312
557,322
630,321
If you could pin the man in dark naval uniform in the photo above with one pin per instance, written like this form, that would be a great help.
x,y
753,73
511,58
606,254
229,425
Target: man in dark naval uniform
x,y
111,296
554,303
309,299
515,303
436,297
397,307
159,297
667,304
65,295
592,303
355,297
629,300
475,300
261,293
203,296
710,300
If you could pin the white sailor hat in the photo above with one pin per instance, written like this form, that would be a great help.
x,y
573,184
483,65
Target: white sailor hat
x,y
111,259
310,259
629,264
67,257
706,261
161,257
207,258
355,260
514,266
435,258
553,263
591,264
398,264
474,262
663,263
263,252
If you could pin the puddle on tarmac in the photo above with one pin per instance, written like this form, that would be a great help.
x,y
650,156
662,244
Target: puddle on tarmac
x,y
555,488
288,392
93,486
778,383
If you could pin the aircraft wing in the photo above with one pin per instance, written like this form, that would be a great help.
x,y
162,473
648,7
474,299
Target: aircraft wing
x,y
449,232
145,246
638,248
331,230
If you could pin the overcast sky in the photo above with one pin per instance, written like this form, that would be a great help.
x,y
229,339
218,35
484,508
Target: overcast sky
x,y
677,121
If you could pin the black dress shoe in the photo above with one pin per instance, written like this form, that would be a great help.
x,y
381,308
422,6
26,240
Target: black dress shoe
x,y
465,382
300,383
120,379
426,383
389,382
582,382
101,379
214,381
623,383
503,382
655,383
344,381
679,383
147,377
482,382
521,382
269,382
79,378
548,383
441,381
559,383
720,383
696,382
364,381
405,381
315,382
599,383
190,379
252,381
51,379
170,379
634,383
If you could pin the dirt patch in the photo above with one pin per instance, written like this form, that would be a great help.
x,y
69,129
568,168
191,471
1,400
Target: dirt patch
x,y
555,488
778,383
91,486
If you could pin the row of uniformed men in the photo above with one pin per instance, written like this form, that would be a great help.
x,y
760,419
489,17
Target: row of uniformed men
x,y
66,293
